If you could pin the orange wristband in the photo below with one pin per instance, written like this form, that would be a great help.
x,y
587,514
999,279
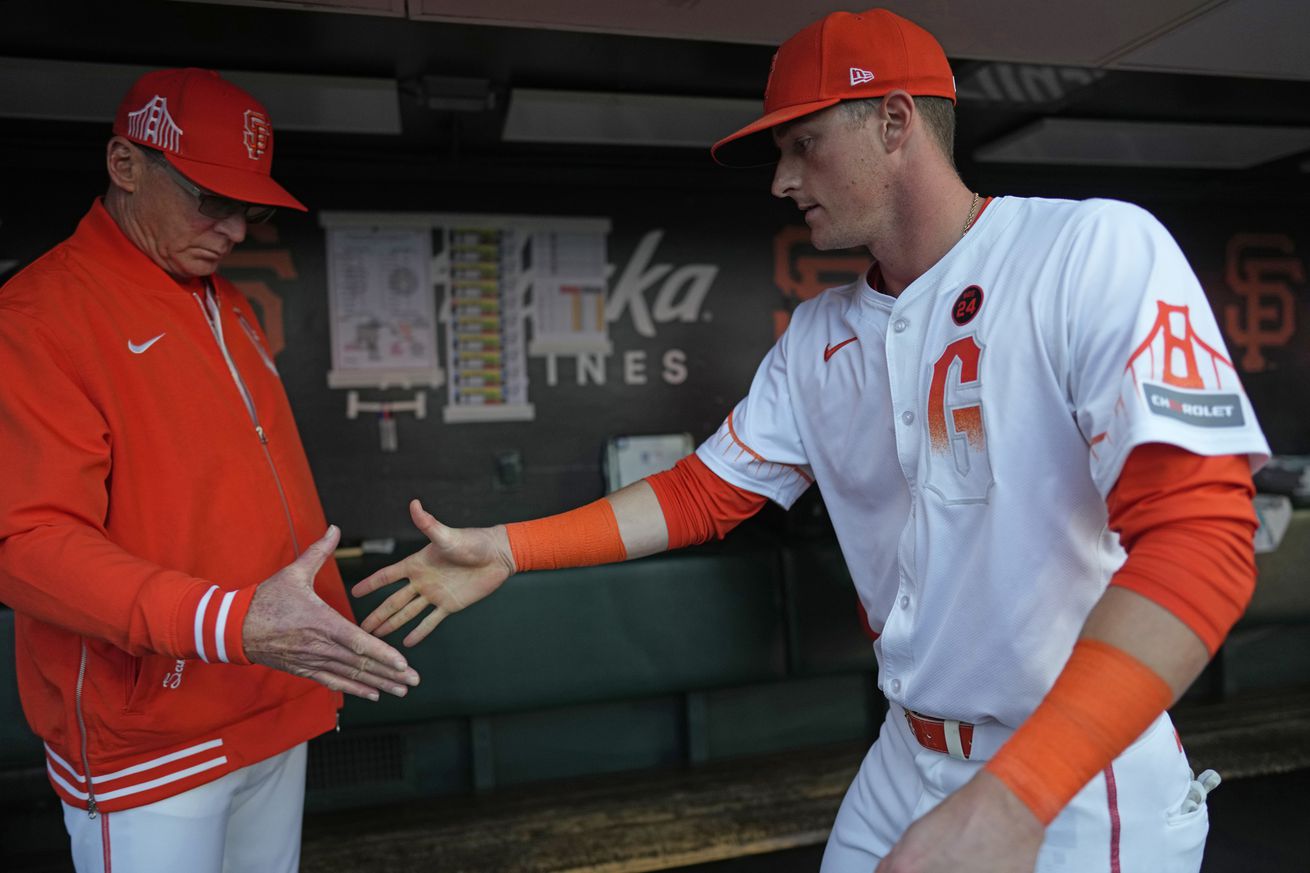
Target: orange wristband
x,y
579,538
1102,701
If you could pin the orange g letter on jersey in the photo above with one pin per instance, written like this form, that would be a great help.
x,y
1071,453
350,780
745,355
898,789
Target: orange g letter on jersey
x,y
958,466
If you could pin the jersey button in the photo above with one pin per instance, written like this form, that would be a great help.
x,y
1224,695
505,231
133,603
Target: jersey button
x,y
907,417
905,601
896,686
899,325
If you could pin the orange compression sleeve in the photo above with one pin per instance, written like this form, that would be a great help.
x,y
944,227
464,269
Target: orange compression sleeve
x,y
699,505
578,538
1102,701
1188,525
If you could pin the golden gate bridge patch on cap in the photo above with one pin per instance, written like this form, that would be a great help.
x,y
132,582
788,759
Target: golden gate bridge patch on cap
x,y
152,123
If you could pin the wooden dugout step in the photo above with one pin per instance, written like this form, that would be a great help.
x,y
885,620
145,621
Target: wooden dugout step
x,y
644,821
615,824
1257,734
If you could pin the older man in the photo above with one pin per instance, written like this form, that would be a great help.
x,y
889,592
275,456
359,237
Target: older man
x,y
153,485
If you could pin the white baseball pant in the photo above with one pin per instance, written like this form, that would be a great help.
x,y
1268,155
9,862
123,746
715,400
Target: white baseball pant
x,y
246,822
1136,815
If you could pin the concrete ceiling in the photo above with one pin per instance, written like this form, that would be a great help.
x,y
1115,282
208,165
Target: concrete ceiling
x,y
1131,76
1261,38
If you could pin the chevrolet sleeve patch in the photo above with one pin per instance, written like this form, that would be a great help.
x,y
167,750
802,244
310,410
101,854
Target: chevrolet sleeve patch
x,y
1195,408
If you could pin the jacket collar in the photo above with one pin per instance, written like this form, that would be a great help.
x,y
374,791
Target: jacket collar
x,y
99,239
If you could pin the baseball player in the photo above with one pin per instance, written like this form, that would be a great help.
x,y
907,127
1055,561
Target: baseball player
x,y
1036,455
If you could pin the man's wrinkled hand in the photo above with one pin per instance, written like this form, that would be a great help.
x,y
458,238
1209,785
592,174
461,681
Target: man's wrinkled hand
x,y
290,628
458,567
982,828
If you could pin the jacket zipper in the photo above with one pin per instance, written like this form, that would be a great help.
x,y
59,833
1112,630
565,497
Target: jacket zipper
x,y
254,341
91,810
213,316
214,319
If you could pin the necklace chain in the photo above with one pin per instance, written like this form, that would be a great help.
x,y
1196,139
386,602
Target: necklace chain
x,y
973,214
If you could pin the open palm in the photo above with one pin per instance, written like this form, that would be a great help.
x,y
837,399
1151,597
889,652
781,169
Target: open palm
x,y
457,568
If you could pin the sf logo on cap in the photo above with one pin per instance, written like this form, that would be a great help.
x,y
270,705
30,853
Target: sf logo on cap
x,y
258,133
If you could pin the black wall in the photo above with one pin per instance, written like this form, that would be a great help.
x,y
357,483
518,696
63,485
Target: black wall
x,y
707,215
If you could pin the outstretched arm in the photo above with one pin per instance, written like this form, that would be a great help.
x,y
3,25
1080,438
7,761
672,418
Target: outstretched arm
x,y
460,566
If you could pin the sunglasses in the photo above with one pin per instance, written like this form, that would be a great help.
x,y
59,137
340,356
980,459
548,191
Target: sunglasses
x,y
212,205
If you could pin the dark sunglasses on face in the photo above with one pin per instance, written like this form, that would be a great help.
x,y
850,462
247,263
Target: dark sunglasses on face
x,y
212,205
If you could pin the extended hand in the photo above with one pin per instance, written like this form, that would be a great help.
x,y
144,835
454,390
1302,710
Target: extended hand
x,y
290,628
982,828
459,567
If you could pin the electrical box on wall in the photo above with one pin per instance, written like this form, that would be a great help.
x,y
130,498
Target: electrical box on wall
x,y
629,458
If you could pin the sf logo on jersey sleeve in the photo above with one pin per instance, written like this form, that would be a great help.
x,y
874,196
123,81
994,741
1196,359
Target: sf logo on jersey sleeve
x,y
958,465
1181,377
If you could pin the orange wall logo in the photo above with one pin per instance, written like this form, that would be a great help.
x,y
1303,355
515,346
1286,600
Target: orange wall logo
x,y
800,271
1261,268
267,302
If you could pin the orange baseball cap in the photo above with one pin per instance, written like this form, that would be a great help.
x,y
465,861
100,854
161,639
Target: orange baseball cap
x,y
843,56
213,132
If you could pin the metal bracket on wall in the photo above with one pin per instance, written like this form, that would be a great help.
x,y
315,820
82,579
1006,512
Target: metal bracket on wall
x,y
385,410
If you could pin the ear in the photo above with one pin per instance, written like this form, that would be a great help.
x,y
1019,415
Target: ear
x,y
125,163
896,112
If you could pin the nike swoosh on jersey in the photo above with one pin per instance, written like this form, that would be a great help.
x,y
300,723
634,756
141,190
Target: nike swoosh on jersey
x,y
138,348
829,351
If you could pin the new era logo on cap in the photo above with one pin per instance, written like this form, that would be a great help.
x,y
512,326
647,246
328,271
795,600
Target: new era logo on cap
x,y
860,77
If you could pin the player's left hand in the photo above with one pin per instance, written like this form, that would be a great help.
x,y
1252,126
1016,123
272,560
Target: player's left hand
x,y
982,828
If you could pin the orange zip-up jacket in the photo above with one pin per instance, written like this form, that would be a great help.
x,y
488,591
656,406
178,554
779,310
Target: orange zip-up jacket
x,y
151,475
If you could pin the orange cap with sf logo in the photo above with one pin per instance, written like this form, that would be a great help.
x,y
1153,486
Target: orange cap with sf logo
x,y
213,132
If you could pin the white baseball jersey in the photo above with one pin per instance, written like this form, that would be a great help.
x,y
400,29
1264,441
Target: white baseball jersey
x,y
966,433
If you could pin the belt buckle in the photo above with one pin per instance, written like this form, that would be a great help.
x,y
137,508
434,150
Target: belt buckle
x,y
956,736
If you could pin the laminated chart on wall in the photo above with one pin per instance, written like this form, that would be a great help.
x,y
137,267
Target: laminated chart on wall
x,y
569,292
485,331
382,306
485,279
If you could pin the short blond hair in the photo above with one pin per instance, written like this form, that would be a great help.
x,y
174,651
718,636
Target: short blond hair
x,y
938,113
